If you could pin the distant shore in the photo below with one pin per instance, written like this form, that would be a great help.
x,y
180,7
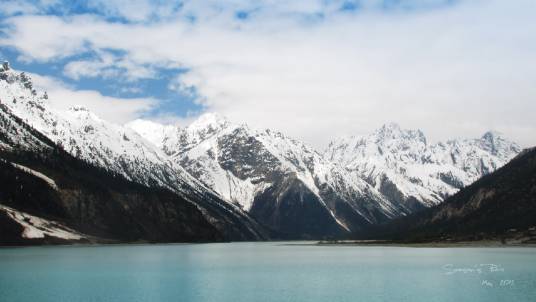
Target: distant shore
x,y
480,243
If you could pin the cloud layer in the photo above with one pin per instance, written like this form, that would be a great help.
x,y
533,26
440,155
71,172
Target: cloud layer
x,y
113,109
315,69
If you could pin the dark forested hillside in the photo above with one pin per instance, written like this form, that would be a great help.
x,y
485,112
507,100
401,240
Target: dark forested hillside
x,y
99,204
501,205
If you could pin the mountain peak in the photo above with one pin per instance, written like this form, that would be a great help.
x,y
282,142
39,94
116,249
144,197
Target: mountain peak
x,y
496,143
152,131
390,127
393,130
387,131
492,135
82,113
79,109
210,121
5,66
211,118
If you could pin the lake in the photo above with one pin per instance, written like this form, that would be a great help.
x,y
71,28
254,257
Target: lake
x,y
268,271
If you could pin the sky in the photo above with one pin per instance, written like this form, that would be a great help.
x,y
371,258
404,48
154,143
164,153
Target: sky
x,y
315,70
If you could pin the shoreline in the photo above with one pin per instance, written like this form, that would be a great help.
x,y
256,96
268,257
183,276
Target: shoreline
x,y
436,244
334,243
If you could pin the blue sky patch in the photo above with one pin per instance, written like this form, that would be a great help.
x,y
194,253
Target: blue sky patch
x,y
172,102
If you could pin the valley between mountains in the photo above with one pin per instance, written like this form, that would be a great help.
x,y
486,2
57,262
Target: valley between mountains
x,y
70,176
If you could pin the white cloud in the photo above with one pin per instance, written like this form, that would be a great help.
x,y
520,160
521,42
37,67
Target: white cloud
x,y
177,84
118,110
91,68
454,71
107,65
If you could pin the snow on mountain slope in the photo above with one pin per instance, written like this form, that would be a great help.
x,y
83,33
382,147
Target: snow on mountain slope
x,y
15,136
116,148
86,136
282,182
153,132
409,170
196,141
37,174
36,227
275,177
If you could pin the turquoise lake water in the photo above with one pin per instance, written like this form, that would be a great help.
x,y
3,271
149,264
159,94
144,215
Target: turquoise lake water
x,y
255,272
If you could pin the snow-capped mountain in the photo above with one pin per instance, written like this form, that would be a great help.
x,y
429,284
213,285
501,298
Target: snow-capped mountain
x,y
90,138
357,181
409,170
232,172
280,181
498,207
116,148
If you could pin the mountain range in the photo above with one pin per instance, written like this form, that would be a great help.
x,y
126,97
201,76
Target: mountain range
x,y
358,181
280,181
405,167
244,183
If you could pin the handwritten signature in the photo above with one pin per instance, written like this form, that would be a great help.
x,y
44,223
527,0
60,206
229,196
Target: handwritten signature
x,y
482,268
501,283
